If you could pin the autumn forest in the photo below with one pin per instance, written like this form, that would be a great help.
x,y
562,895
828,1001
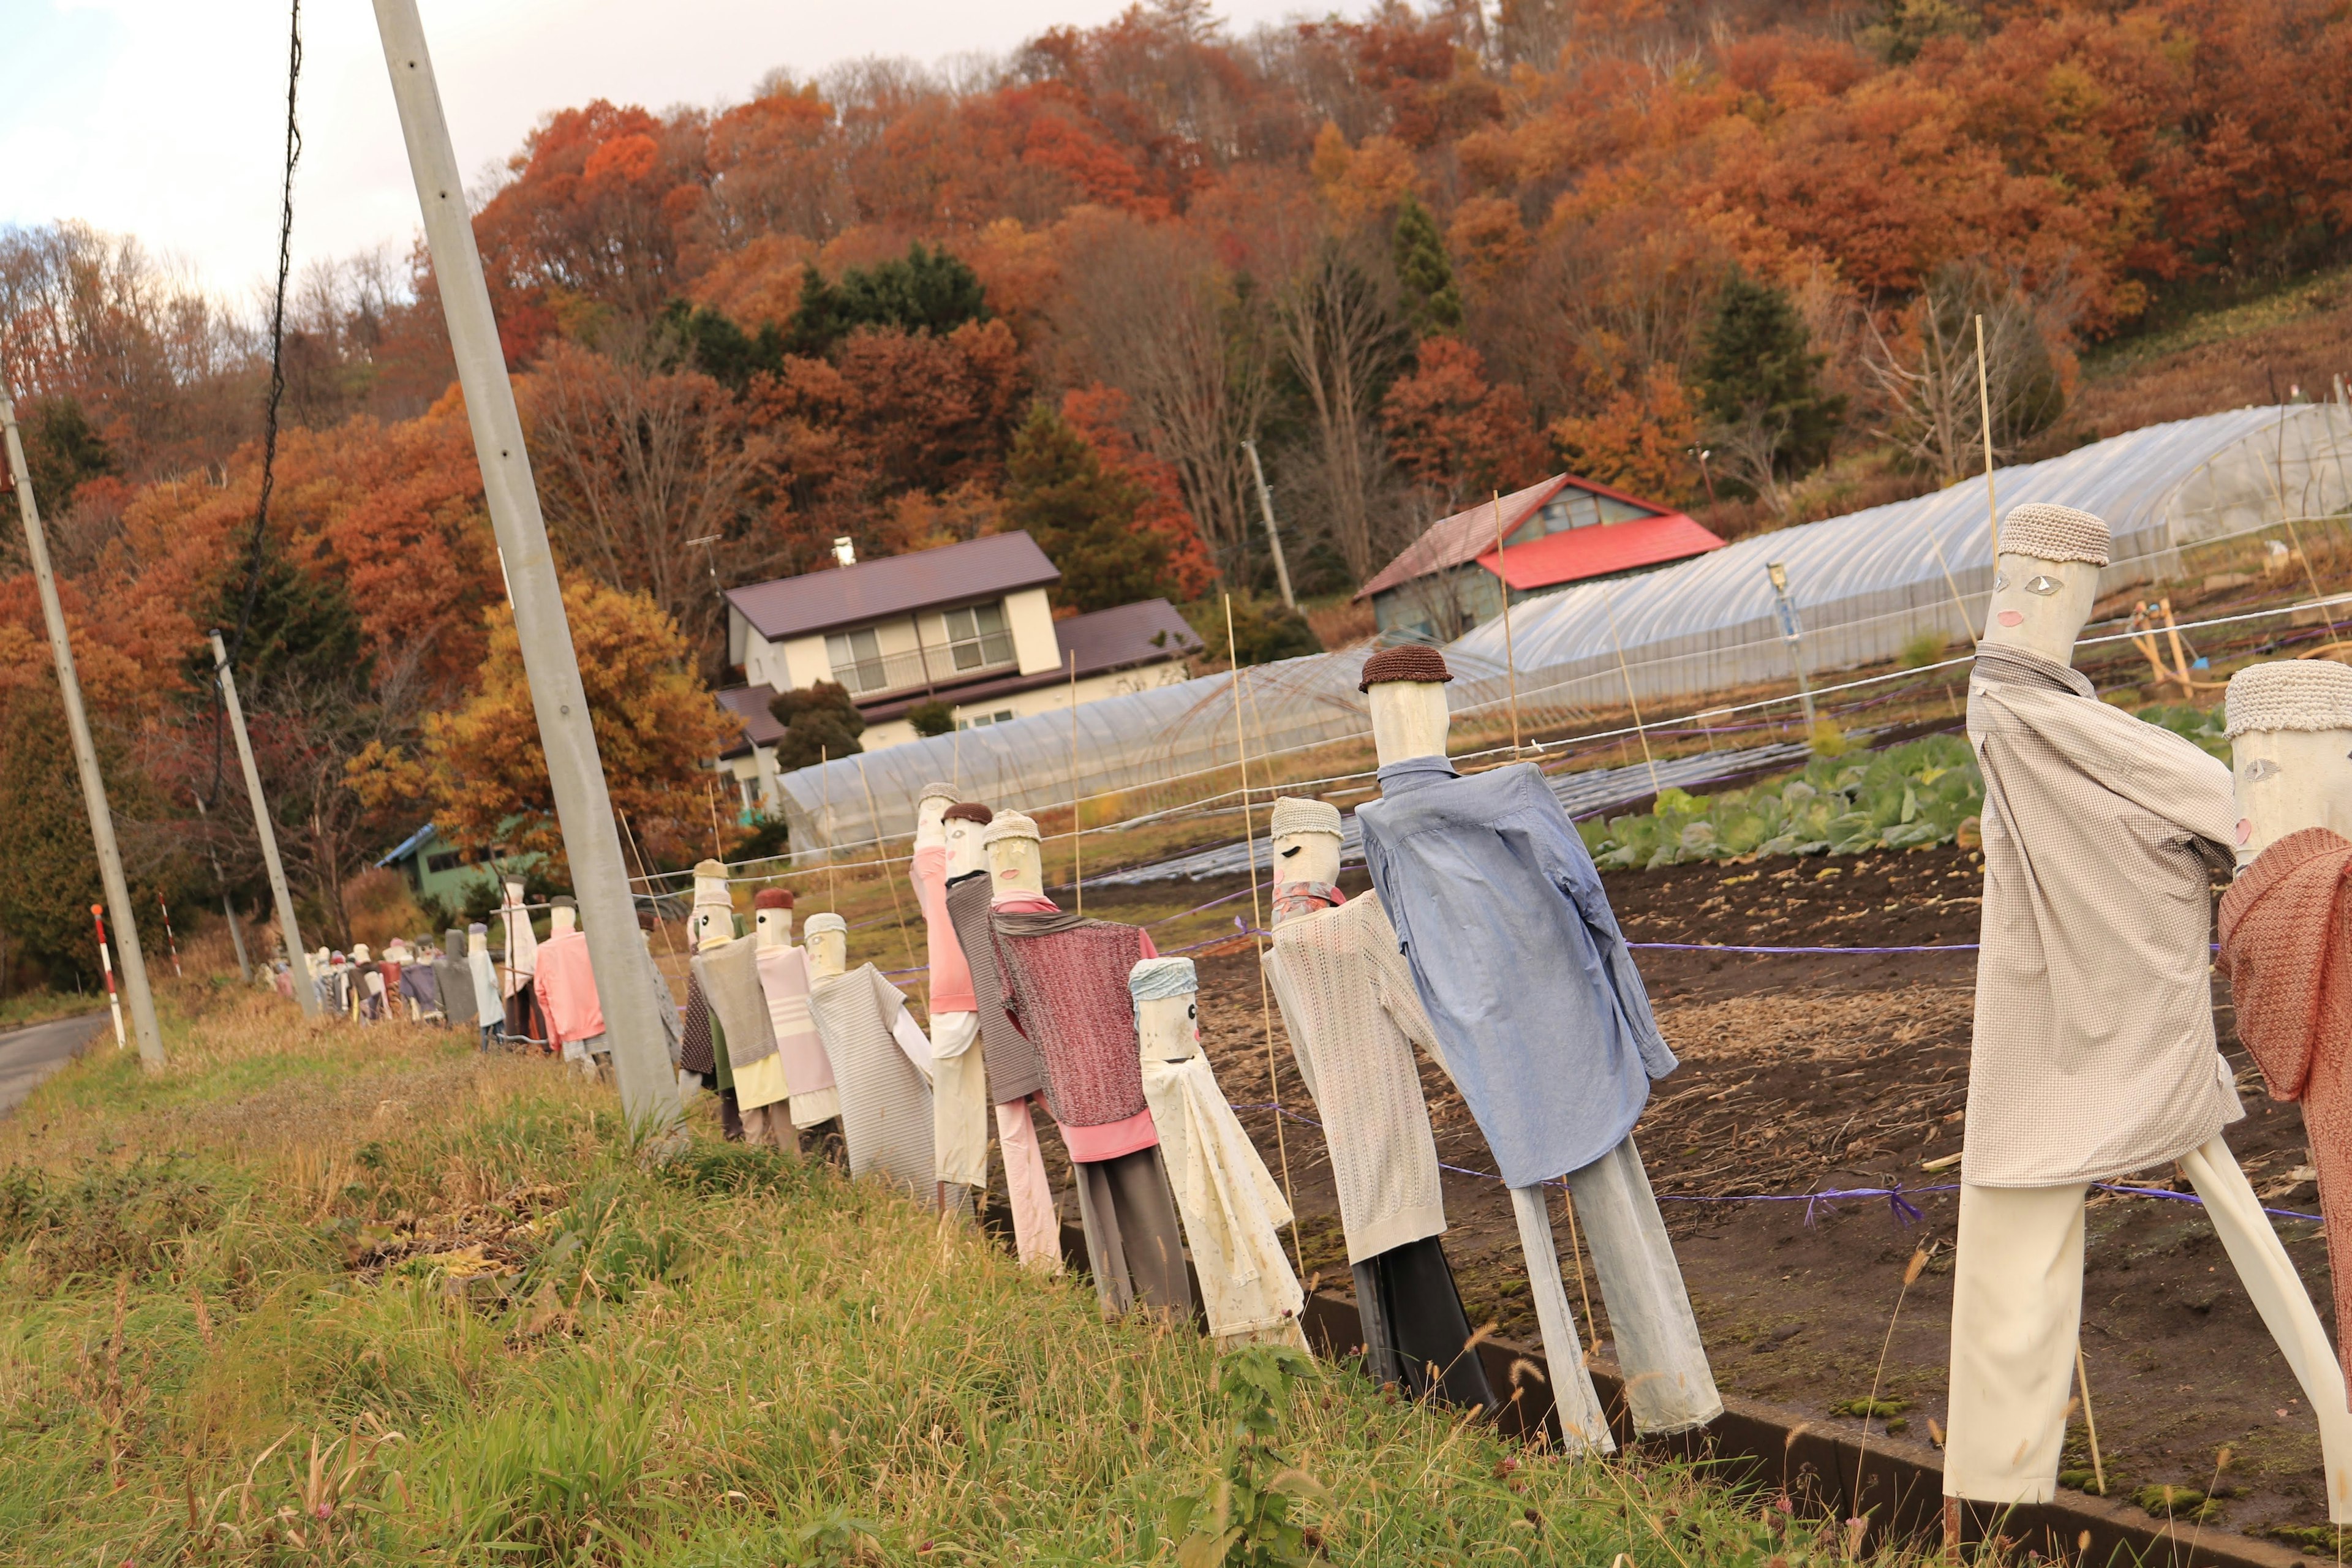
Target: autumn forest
x,y
1721,254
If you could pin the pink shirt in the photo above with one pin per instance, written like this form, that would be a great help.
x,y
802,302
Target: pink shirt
x,y
784,981
950,975
1111,1139
567,988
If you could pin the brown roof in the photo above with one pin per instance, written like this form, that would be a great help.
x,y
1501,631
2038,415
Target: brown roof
x,y
1466,535
1106,640
750,703
1103,641
1141,633
952,575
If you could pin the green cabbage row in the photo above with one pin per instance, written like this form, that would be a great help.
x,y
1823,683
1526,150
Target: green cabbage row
x,y
1921,793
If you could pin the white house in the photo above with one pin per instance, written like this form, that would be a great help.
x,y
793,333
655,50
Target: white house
x,y
967,624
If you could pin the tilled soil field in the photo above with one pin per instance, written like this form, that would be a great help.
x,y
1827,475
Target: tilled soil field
x,y
1807,1073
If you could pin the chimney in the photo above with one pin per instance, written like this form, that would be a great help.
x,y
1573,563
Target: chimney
x,y
845,554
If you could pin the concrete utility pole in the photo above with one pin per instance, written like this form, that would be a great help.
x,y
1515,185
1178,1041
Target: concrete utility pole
x,y
1265,506
306,987
583,810
93,786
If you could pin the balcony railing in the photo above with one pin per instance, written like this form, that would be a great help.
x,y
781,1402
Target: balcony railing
x,y
948,663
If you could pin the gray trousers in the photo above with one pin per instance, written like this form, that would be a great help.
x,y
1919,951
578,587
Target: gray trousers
x,y
1134,1246
1668,1384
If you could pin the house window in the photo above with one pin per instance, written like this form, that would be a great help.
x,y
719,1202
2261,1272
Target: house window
x,y
448,860
978,637
857,660
1573,507
981,721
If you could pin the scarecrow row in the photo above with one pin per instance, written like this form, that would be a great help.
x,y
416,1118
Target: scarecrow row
x,y
1487,942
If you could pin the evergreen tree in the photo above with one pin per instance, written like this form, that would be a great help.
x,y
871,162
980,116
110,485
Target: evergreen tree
x,y
1424,271
722,350
63,450
926,290
820,723
52,878
302,629
1082,516
1758,374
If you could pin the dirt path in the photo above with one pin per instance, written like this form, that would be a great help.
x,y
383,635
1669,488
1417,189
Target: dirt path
x,y
1808,1073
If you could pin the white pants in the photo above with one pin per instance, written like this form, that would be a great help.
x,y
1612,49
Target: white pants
x,y
2017,1310
959,1100
1668,1384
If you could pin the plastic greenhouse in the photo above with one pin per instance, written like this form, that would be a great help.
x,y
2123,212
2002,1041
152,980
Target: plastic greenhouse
x,y
1865,585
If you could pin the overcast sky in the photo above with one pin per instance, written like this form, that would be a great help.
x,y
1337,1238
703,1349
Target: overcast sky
x,y
165,119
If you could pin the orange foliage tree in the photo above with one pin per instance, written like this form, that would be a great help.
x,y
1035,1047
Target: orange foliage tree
x,y
1456,433
482,772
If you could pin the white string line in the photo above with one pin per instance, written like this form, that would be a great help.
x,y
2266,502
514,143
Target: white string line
x,y
1560,745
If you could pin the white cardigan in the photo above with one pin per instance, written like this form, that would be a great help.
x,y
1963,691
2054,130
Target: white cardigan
x,y
1348,1001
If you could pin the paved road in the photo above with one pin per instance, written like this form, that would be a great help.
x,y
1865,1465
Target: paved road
x,y
27,1055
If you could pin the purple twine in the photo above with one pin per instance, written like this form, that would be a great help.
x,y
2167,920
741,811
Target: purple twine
x,y
1898,1198
1731,947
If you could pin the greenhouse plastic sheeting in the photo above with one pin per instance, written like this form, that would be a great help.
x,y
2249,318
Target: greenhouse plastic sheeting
x,y
1582,794
1865,585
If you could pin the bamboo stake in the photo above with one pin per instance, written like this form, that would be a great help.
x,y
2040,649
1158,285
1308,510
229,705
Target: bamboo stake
x,y
1257,923
2179,659
1510,659
1984,418
1608,603
2090,1421
645,876
832,873
1077,853
2147,643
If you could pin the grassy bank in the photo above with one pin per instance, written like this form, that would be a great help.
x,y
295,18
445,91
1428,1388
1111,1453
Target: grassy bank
x,y
26,1008
363,1295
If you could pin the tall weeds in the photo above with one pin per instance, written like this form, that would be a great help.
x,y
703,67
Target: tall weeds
x,y
438,1308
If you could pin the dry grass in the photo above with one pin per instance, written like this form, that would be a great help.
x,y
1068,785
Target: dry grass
x,y
2253,352
723,1359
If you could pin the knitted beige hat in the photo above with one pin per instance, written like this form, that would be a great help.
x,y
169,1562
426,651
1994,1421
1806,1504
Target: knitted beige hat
x,y
2290,694
1009,825
710,886
1294,815
938,790
2050,533
817,925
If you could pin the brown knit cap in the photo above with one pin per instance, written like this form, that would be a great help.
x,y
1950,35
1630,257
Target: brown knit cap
x,y
773,899
969,811
1407,661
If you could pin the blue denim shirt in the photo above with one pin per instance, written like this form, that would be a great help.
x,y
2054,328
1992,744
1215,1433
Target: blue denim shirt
x,y
1499,909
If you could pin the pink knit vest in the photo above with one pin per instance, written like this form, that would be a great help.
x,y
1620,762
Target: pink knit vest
x,y
1067,990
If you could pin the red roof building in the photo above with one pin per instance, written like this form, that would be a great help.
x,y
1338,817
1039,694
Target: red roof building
x,y
1562,531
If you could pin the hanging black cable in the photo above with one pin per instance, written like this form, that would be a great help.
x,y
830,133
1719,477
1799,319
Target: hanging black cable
x,y
236,642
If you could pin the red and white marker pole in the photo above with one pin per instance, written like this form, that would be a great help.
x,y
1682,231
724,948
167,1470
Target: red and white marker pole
x,y
105,963
173,941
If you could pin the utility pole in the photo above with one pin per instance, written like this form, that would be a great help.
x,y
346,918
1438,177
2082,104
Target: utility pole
x,y
93,786
306,985
584,808
236,933
1791,629
1265,506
